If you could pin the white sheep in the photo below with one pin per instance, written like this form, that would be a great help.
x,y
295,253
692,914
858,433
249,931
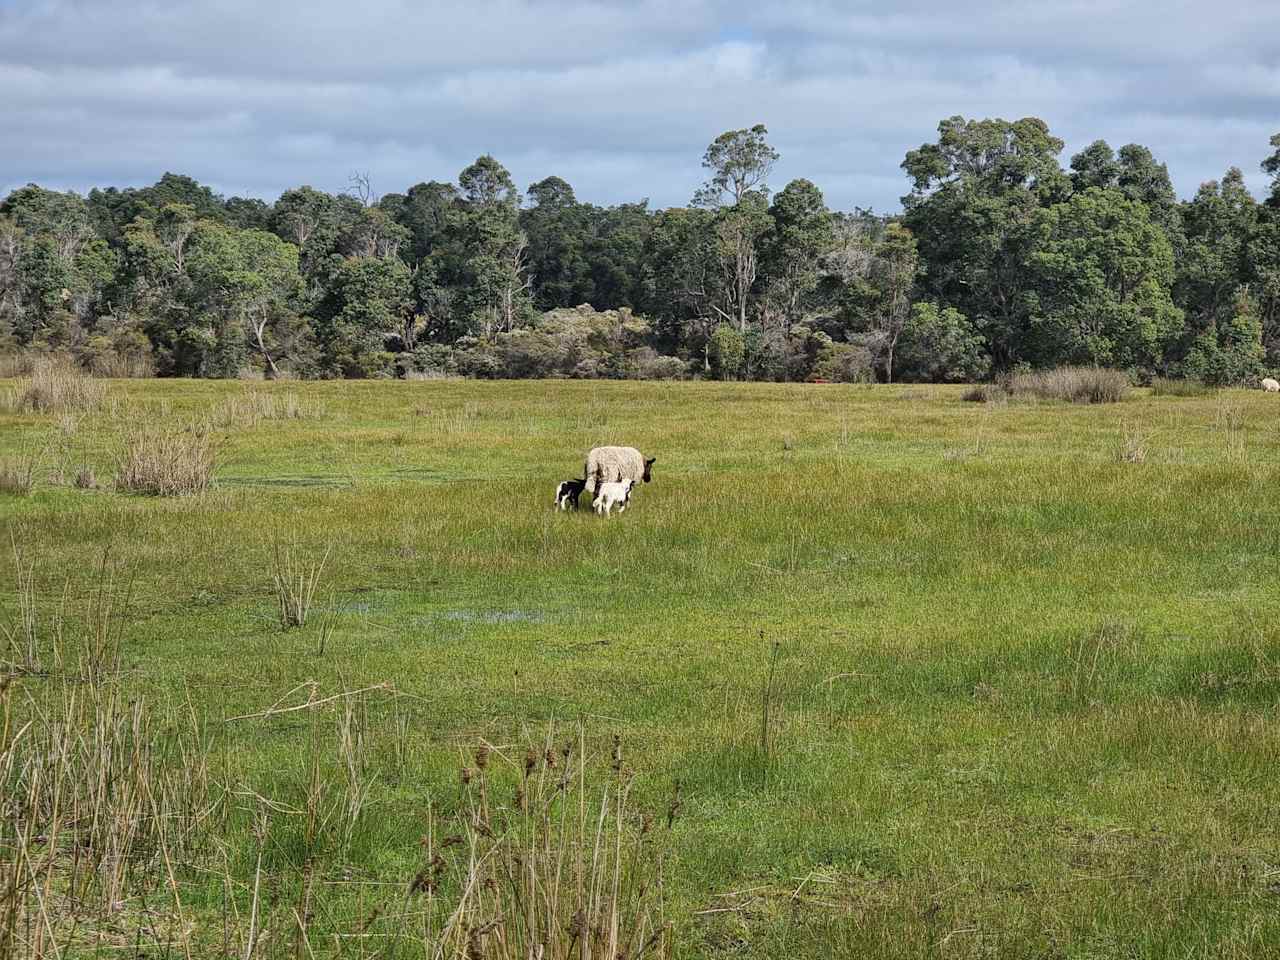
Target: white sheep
x,y
613,492
605,464
1270,385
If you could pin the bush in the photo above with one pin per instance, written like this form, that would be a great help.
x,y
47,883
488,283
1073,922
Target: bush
x,y
429,361
842,362
650,365
1073,384
167,463
727,351
940,346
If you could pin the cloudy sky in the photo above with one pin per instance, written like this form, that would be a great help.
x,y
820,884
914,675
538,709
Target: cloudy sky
x,y
619,98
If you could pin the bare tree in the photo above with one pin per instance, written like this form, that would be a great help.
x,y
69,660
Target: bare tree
x,y
361,187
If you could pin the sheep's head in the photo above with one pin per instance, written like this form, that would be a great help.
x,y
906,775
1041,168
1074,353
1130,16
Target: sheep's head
x,y
648,466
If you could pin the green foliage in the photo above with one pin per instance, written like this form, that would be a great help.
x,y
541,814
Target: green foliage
x,y
1001,259
839,362
726,350
1101,277
1230,353
368,298
940,346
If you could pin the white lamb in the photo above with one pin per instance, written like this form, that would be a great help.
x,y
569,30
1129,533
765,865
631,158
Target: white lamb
x,y
1270,385
613,492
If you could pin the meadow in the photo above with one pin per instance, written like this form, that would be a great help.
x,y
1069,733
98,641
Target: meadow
x,y
878,671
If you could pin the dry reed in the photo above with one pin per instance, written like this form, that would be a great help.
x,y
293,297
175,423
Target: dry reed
x,y
167,462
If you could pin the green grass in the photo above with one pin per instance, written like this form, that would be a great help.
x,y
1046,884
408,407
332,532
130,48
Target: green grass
x,y
1024,702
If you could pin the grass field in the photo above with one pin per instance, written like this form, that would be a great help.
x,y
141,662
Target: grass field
x,y
934,678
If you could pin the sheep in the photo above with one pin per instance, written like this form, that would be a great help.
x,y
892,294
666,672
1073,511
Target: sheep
x,y
613,492
1270,385
614,464
567,493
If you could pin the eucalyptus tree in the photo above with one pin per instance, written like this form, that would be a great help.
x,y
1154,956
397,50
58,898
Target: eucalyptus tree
x,y
737,192
1100,279
975,196
800,233
486,255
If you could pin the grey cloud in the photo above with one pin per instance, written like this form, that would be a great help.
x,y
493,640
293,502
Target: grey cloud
x,y
620,99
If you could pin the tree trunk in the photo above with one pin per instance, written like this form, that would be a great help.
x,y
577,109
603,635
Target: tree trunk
x,y
272,370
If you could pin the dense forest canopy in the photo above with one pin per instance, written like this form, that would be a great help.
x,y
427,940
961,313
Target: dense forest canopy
x,y
1001,258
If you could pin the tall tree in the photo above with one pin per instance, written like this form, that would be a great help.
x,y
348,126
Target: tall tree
x,y
800,233
975,196
487,256
558,228
738,192
894,270
1102,279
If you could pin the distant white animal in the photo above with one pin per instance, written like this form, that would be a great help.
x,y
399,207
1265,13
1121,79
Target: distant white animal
x,y
613,492
1271,386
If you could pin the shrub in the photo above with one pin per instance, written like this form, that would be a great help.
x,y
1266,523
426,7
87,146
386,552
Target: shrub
x,y
653,366
167,463
1073,384
429,361
727,350
940,346
57,385
842,362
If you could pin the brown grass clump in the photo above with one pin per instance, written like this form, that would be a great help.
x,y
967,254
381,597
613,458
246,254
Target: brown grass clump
x,y
85,479
17,476
985,393
18,470
167,462
117,366
1132,447
1072,384
56,385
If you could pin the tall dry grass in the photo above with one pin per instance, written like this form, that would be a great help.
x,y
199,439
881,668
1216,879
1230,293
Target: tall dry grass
x,y
167,462
549,859
117,822
103,795
1072,384
296,578
18,473
56,385
115,366
253,406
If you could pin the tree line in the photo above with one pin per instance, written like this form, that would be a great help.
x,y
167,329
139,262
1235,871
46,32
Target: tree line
x,y
1001,259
